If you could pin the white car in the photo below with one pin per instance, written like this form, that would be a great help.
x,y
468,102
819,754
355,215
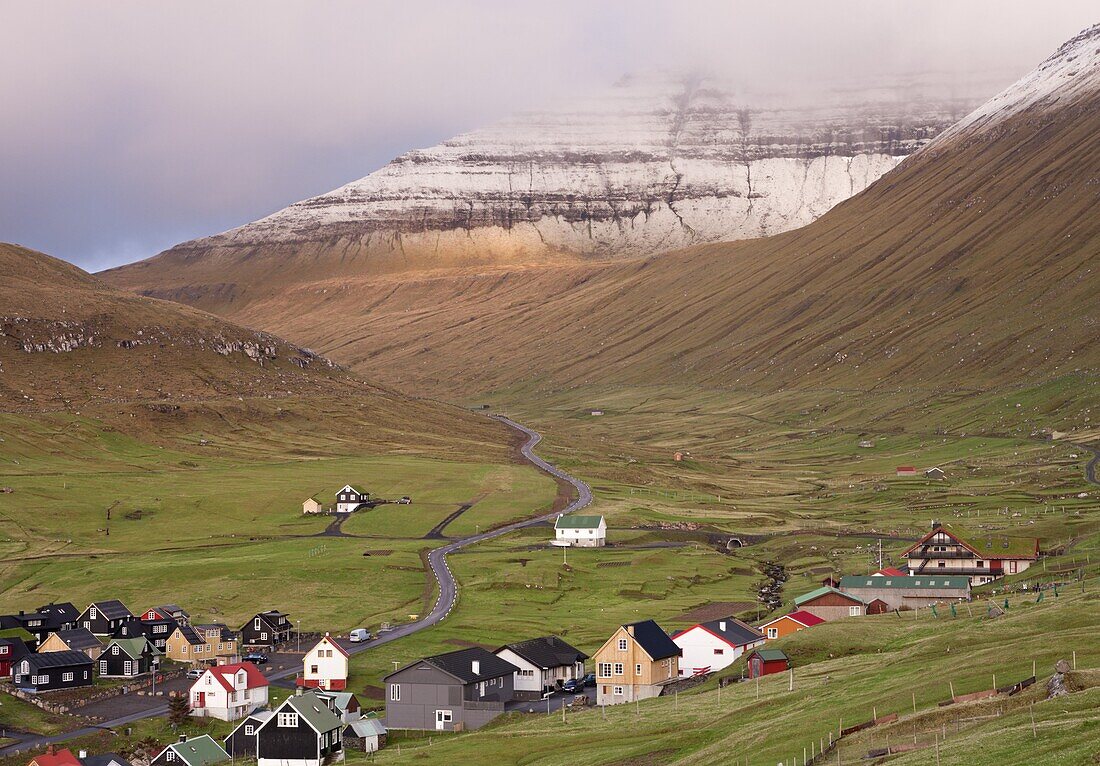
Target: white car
x,y
359,634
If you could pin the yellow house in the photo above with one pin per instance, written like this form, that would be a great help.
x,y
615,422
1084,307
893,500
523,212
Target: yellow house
x,y
79,639
311,505
636,663
203,644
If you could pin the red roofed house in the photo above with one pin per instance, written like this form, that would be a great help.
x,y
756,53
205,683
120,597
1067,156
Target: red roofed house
x,y
55,757
325,666
228,692
788,624
981,558
906,470
887,572
711,646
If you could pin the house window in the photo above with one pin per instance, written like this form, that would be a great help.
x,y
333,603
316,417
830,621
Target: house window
x,y
128,668
263,636
92,612
103,667
638,669
170,755
605,670
256,624
395,692
249,730
85,675
312,668
773,632
981,565
66,676
288,720
618,691
622,644
114,650
719,651
853,611
618,668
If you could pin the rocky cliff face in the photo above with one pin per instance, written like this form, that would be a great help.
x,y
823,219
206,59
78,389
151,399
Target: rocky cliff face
x,y
649,166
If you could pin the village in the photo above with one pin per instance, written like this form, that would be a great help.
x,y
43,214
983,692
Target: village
x,y
211,670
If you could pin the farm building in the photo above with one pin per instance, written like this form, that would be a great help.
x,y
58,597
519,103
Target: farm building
x,y
788,624
764,662
580,531
983,559
907,592
711,646
936,473
312,506
830,604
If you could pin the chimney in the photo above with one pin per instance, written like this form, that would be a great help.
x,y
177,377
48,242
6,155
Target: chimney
x,y
630,630
50,749
475,667
183,738
722,626
298,691
83,754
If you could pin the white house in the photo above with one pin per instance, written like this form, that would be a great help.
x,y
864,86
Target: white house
x,y
711,646
580,531
543,664
325,666
350,498
228,692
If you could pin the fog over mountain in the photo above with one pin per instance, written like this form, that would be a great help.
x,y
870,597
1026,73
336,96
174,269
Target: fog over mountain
x,y
135,126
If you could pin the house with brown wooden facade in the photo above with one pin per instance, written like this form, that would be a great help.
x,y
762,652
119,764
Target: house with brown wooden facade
x,y
830,604
981,557
636,663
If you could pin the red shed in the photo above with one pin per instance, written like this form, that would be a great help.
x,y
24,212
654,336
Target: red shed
x,y
878,606
764,662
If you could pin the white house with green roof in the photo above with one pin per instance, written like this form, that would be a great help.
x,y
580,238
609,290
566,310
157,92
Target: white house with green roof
x,y
580,531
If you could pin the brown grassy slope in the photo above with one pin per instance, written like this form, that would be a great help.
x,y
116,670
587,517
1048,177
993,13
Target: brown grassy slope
x,y
974,264
70,343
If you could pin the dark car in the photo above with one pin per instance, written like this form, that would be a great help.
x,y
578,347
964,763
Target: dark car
x,y
573,686
255,658
589,680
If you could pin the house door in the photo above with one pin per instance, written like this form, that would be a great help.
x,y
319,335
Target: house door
x,y
442,718
201,702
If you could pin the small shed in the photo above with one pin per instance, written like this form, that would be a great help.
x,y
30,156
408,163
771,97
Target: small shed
x,y
366,734
935,473
830,582
764,662
878,606
906,470
311,505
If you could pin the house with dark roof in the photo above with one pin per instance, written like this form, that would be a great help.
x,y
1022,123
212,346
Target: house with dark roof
x,y
202,750
128,657
982,558
11,650
202,645
103,618
167,612
580,531
266,629
241,742
54,670
636,663
786,624
228,692
79,639
544,664
303,732
906,592
351,498
710,646
830,604
39,624
455,691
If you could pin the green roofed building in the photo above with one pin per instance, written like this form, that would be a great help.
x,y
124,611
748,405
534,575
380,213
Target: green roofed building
x,y
831,604
981,557
197,751
580,531
906,592
128,657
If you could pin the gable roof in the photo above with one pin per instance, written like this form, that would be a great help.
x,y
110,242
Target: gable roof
x,y
112,609
353,488
224,633
78,638
574,521
822,591
172,609
805,619
922,582
341,700
736,633
61,757
260,717
366,727
135,647
769,655
63,612
989,547
459,665
200,751
104,759
890,571
254,679
327,639
190,635
653,639
546,652
70,658
313,710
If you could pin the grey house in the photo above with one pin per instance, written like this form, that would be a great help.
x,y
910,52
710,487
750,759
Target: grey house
x,y
455,691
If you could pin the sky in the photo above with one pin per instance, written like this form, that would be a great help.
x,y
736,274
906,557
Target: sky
x,y
128,127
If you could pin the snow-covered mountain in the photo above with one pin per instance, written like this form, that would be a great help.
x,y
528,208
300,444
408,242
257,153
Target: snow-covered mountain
x,y
650,165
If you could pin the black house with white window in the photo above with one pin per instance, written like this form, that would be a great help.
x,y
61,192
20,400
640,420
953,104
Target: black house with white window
x,y
103,618
53,670
241,742
266,630
157,631
304,731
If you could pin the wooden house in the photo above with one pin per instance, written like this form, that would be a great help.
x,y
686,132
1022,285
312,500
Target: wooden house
x,y
905,470
325,666
350,499
456,691
304,731
344,704
982,558
79,639
266,629
228,692
241,742
167,612
55,756
830,604
53,670
544,664
764,662
636,663
203,645
935,473
128,657
103,618
710,646
312,506
580,531
788,624
11,649
202,750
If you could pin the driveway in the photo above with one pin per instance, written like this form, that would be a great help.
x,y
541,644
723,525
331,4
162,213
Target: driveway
x,y
556,700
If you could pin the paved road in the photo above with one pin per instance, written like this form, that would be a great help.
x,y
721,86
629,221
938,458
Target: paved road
x,y
437,560
1093,465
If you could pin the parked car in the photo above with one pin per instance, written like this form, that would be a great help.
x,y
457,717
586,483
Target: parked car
x,y
195,673
406,500
589,680
573,686
255,658
359,634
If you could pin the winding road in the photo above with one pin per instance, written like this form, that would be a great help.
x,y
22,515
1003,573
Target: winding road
x,y
437,560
